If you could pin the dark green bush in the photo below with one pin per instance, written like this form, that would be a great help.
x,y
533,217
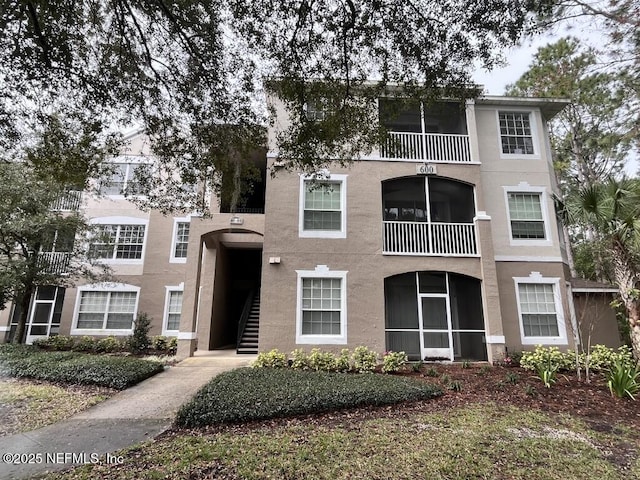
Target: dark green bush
x,y
251,394
74,367
139,341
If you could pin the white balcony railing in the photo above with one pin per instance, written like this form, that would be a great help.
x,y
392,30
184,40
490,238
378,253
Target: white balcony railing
x,y
422,238
430,147
67,202
55,262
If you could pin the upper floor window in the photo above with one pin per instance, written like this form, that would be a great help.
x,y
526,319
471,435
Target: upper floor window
x,y
318,110
525,213
121,179
180,240
124,242
516,136
322,209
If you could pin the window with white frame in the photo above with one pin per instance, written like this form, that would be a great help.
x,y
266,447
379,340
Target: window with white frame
x,y
322,209
321,316
181,229
121,178
540,310
516,136
525,216
318,110
106,310
117,242
173,310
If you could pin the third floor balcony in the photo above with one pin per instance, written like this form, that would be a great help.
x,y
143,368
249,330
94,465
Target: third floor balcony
x,y
419,132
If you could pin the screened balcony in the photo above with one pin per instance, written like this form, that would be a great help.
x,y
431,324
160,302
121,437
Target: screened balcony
x,y
433,133
428,216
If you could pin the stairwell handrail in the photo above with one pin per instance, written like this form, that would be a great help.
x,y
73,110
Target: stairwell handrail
x,y
245,315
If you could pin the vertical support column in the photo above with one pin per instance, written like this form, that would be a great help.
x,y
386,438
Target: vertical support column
x,y
494,332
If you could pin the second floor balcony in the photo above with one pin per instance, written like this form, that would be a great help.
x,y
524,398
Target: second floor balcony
x,y
55,262
428,216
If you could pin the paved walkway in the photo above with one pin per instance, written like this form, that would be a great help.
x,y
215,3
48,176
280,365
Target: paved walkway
x,y
134,415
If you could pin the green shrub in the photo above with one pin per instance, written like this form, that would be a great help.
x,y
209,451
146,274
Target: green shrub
x,y
56,342
455,386
75,368
623,379
108,345
431,372
299,359
172,345
364,360
321,361
84,344
603,358
550,358
343,361
272,359
160,343
252,394
393,361
139,341
417,366
512,378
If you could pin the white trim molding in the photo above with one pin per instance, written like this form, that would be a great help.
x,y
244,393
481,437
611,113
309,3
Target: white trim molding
x,y
496,339
527,258
324,178
554,282
187,335
321,272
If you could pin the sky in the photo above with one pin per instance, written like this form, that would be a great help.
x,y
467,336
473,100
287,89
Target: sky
x,y
519,58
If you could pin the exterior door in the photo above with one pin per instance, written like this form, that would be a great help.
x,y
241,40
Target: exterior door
x,y
436,327
44,317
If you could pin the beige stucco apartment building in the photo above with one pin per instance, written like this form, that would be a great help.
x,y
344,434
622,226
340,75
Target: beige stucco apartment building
x,y
443,243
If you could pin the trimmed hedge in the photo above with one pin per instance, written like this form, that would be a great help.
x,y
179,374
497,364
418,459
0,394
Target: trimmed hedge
x,y
253,394
74,367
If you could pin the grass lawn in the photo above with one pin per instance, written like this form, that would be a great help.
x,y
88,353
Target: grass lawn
x,y
477,441
27,404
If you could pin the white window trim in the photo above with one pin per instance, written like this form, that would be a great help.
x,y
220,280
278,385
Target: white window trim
x,y
342,233
535,139
526,188
128,159
123,221
172,253
165,318
103,287
322,271
561,339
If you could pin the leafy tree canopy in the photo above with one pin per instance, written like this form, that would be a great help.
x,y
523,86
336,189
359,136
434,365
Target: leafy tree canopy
x,y
187,70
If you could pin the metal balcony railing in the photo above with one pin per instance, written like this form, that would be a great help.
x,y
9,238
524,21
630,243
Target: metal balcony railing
x,y
55,262
68,202
429,147
435,239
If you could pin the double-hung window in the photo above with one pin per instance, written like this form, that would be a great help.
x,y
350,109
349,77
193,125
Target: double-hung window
x,y
121,179
322,208
321,316
540,310
180,242
117,242
516,135
173,309
525,214
106,310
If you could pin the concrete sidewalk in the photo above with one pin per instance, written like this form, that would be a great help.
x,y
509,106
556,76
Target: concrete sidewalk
x,y
134,415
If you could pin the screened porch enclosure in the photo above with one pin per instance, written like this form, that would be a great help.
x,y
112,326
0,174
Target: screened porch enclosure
x,y
435,316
